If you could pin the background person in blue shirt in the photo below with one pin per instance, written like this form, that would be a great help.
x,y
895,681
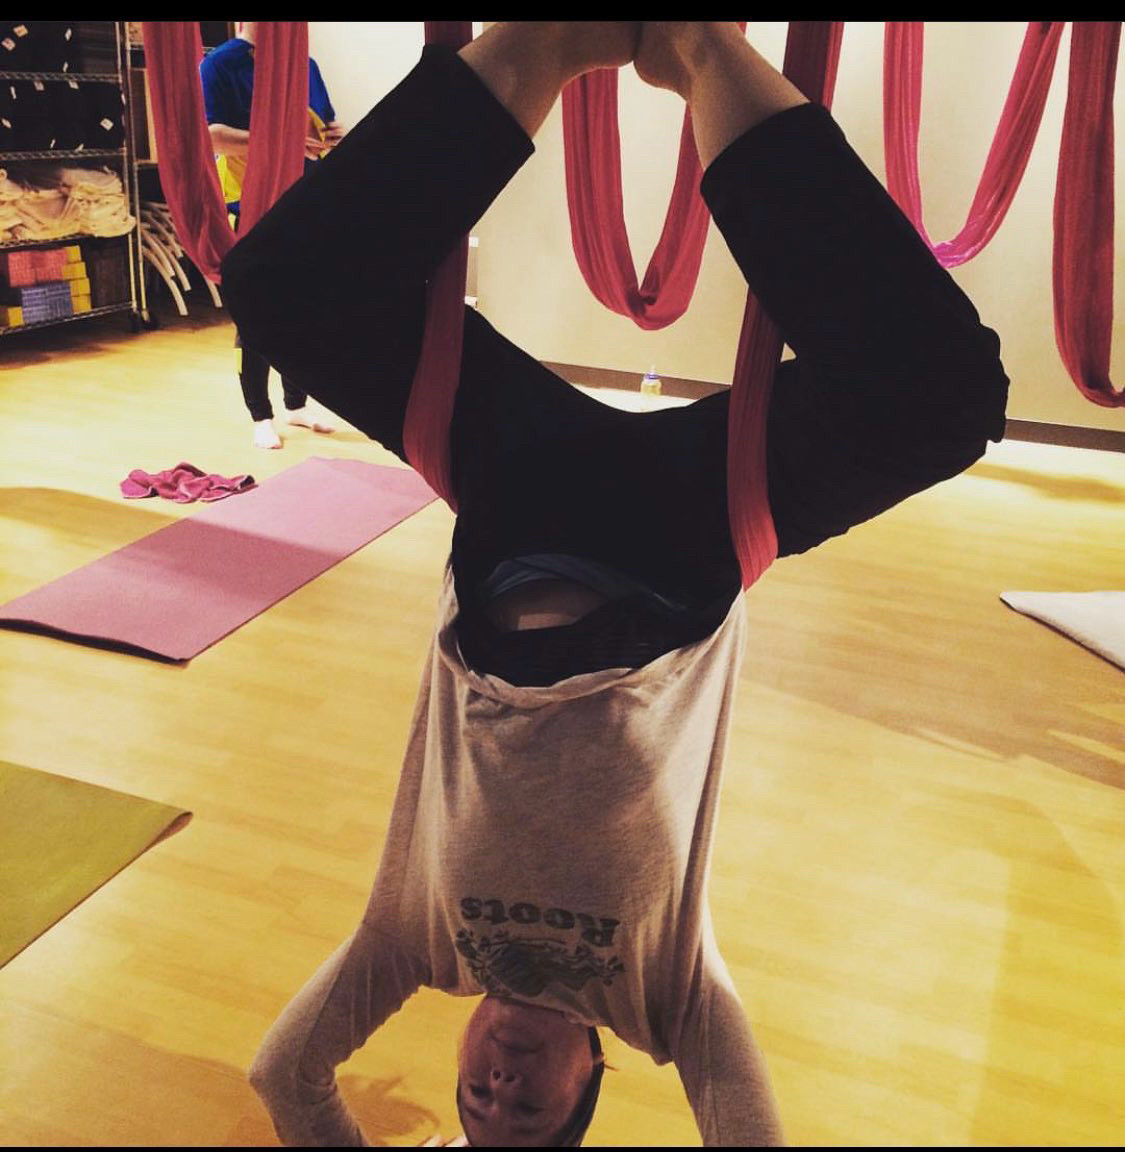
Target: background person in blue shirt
x,y
227,73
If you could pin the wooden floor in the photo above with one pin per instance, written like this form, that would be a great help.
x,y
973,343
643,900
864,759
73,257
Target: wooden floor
x,y
919,879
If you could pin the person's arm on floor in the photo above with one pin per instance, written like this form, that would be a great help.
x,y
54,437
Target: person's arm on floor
x,y
723,1072
366,980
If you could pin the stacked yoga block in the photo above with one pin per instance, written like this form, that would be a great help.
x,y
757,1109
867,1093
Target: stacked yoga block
x,y
40,284
107,267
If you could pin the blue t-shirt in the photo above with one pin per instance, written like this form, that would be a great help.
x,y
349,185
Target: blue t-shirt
x,y
227,73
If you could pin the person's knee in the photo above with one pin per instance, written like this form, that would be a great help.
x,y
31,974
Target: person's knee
x,y
993,386
962,399
993,413
973,410
983,386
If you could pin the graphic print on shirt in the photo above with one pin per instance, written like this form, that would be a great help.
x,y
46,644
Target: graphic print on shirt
x,y
504,964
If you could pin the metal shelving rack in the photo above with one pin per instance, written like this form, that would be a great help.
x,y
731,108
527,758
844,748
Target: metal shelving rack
x,y
137,304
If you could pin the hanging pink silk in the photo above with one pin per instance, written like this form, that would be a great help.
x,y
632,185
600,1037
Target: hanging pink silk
x,y
279,112
279,116
812,53
593,164
1011,144
1083,257
173,50
592,151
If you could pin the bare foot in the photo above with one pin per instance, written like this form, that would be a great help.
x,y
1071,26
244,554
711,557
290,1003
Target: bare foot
x,y
670,51
658,57
307,418
572,46
525,64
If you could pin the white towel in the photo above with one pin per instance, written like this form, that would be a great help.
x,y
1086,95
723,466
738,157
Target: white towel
x,y
1095,619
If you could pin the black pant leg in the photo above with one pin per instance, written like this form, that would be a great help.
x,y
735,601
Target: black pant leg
x,y
896,383
330,284
293,396
254,378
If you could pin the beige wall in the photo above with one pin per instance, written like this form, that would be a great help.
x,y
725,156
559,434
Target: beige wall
x,y
529,283
361,61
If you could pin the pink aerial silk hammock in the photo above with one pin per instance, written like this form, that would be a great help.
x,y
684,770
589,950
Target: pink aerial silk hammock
x,y
1011,145
1083,257
592,149
278,122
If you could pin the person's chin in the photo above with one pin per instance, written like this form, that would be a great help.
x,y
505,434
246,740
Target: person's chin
x,y
516,1027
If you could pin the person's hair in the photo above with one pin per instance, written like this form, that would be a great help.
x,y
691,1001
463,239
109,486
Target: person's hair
x,y
572,1132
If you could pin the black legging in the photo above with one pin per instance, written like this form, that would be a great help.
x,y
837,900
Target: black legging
x,y
895,384
254,376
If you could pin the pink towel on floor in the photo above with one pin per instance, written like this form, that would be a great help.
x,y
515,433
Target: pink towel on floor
x,y
184,484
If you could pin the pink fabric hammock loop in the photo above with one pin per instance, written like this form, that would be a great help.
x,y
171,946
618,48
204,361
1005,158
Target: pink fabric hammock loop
x,y
1083,250
592,151
1011,144
279,113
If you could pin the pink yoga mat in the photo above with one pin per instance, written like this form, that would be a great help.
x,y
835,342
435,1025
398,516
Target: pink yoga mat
x,y
177,591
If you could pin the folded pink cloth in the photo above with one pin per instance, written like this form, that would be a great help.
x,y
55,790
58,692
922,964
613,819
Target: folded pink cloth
x,y
185,484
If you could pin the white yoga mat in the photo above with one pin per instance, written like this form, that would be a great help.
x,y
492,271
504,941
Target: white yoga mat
x,y
1095,619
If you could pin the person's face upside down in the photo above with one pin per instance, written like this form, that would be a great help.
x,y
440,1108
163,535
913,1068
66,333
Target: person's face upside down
x,y
521,1073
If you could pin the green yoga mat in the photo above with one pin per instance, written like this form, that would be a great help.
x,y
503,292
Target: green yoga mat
x,y
60,840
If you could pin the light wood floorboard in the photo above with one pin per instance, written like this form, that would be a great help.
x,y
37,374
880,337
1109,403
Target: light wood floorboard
x,y
919,877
